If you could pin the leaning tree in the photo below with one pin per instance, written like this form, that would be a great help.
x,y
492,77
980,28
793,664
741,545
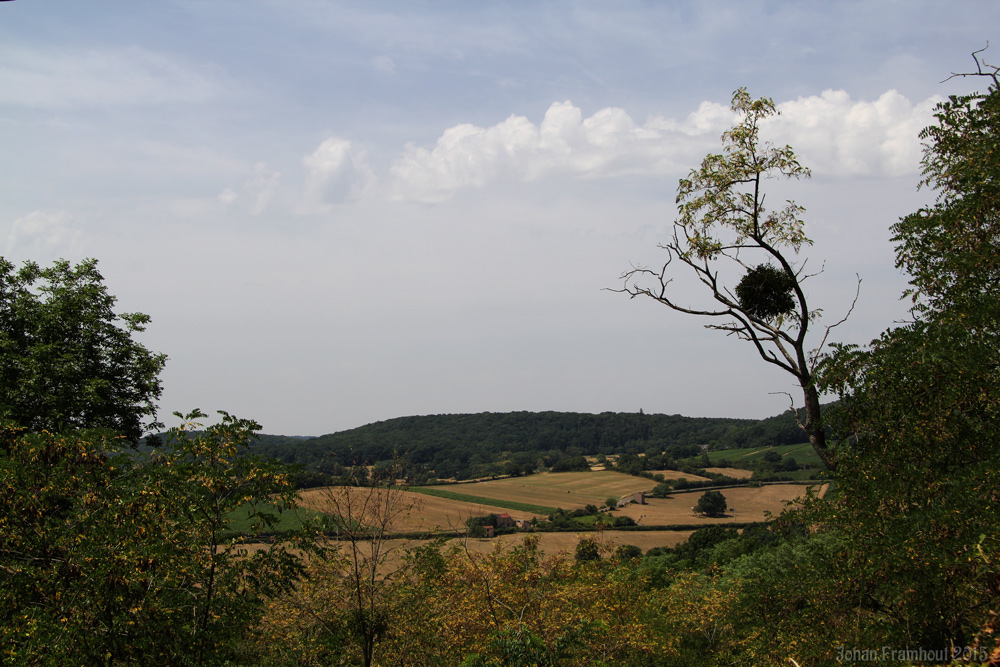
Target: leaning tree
x,y
724,228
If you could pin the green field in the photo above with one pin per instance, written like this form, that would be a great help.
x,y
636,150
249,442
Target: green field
x,y
288,520
803,453
482,500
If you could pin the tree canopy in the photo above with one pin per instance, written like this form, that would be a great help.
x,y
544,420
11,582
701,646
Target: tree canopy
x,y
67,360
920,405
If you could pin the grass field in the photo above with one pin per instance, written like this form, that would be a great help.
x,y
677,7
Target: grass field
x,y
440,492
239,521
735,473
750,504
566,490
803,453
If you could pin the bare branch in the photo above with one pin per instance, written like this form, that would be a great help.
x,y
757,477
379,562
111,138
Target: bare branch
x,y
814,356
980,64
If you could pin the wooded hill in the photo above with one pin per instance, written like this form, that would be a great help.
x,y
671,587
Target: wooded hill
x,y
452,444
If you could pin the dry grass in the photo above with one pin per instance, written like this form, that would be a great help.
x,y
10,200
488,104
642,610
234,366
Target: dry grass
x,y
750,504
427,513
568,490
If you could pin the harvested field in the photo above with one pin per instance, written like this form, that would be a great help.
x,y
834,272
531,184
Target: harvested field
x,y
735,473
427,513
567,490
750,503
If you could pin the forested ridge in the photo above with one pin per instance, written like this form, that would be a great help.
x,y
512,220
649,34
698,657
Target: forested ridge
x,y
448,443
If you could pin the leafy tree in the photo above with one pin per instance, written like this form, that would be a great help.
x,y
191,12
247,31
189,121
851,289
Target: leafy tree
x,y
918,504
661,490
627,552
67,360
112,557
712,503
723,217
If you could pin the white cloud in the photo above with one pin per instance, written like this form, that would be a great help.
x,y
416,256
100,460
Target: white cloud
x,y
607,144
833,134
61,78
843,137
42,234
335,171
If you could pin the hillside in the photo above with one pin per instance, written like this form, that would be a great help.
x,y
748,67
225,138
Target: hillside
x,y
464,445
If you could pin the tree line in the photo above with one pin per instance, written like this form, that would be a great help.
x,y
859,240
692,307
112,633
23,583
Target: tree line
x,y
469,446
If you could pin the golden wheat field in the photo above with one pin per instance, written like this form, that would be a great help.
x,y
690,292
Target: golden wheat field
x,y
420,512
567,490
746,504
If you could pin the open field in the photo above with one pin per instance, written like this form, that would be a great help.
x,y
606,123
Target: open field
x,y
735,473
566,490
750,504
803,453
426,513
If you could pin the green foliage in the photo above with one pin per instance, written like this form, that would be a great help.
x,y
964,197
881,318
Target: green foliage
x,y
67,360
661,490
712,503
587,549
766,292
712,205
918,506
112,557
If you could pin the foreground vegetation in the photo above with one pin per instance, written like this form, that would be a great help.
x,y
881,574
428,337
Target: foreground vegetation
x,y
112,554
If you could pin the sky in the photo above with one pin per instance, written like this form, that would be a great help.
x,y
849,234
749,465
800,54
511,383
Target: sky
x,y
338,213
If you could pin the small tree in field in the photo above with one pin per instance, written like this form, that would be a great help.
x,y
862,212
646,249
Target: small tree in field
x,y
744,255
712,503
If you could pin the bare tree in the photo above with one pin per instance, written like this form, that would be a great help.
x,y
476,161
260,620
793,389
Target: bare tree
x,y
723,223
360,553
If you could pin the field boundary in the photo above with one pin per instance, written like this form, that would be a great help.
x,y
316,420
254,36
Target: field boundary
x,y
481,500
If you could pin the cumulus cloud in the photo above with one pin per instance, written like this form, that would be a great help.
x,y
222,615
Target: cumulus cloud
x,y
61,78
42,234
334,172
606,144
834,134
844,137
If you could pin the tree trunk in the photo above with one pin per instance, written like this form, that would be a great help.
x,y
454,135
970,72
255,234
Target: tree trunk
x,y
813,425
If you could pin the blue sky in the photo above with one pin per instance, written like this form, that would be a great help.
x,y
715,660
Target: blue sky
x,y
341,212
